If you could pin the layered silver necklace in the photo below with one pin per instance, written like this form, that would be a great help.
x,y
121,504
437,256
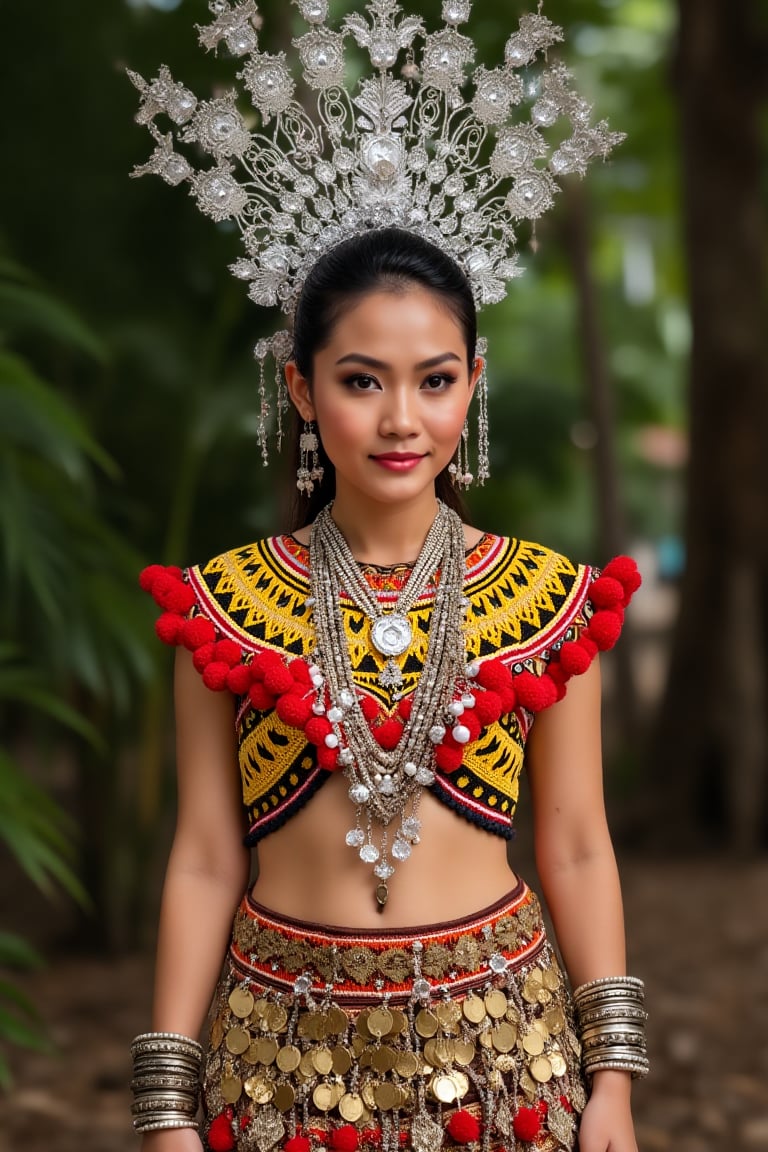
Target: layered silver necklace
x,y
386,785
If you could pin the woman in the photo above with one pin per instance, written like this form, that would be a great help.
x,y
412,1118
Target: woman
x,y
369,686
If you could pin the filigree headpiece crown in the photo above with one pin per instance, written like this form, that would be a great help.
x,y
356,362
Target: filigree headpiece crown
x,y
406,147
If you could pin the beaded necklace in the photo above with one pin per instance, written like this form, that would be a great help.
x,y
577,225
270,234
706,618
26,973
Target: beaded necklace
x,y
386,785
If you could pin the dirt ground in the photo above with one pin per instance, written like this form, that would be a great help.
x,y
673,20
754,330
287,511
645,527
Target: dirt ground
x,y
698,936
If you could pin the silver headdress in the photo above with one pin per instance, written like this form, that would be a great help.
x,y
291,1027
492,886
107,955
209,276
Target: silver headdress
x,y
407,147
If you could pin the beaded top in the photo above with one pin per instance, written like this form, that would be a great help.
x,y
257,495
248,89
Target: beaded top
x,y
534,620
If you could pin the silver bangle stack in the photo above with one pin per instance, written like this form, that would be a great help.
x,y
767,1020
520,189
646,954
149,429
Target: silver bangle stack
x,y
611,1018
166,1081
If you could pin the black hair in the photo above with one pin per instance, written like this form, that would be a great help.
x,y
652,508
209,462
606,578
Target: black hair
x,y
389,260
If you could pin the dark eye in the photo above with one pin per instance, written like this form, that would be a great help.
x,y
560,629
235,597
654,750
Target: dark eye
x,y
438,382
362,383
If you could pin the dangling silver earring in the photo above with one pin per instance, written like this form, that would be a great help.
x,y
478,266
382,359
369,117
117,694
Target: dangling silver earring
x,y
459,469
309,470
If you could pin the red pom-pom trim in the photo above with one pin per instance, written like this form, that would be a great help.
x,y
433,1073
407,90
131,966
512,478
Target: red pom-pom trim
x,y
239,679
299,669
297,1144
149,575
168,627
328,758
228,652
463,1127
179,598
278,679
449,757
345,1139
265,660
203,655
605,628
495,675
387,735
605,592
624,569
221,1138
405,707
471,722
317,729
487,707
294,708
196,632
535,693
575,658
526,1124
215,675
261,700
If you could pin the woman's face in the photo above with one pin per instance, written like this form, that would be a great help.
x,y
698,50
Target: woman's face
x,y
390,394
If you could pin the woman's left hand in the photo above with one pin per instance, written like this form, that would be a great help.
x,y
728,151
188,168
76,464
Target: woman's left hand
x,y
606,1123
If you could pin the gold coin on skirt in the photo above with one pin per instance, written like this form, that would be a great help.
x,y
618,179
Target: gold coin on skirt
x,y
261,1007
337,1021
559,1066
288,1058
322,1061
361,1024
252,1055
495,1004
306,1065
217,1034
285,1097
342,1060
241,1002
541,1069
551,979
324,1097
533,1043
351,1107
473,1009
504,1037
231,1089
426,1023
506,1063
439,1052
380,1022
485,1039
386,1096
407,1064
368,1093
528,1085
399,1022
449,1014
554,1018
266,1050
383,1059
238,1041
259,1089
277,1018
464,1052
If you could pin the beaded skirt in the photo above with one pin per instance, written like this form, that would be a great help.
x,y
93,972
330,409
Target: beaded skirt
x,y
455,1035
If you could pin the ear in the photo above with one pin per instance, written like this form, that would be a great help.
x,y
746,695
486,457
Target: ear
x,y
477,370
299,391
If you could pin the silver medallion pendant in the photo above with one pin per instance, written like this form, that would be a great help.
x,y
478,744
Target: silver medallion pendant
x,y
391,635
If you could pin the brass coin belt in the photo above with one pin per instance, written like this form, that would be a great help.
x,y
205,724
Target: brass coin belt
x,y
416,1038
385,785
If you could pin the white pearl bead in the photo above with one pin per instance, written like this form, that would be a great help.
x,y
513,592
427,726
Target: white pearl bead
x,y
468,700
456,708
335,715
461,734
473,669
331,740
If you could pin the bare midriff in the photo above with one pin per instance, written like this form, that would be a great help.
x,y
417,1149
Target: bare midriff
x,y
306,871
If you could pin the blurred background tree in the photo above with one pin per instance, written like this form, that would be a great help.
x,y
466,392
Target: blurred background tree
x,y
127,397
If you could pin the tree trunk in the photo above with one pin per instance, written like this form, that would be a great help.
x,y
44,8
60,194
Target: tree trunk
x,y
711,752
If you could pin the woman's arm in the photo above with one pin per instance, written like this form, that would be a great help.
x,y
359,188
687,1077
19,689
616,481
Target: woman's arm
x,y
207,869
579,877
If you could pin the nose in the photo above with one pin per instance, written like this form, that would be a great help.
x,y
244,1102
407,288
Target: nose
x,y
400,413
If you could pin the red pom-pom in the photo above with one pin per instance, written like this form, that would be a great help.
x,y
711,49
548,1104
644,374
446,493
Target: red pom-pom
x,y
179,598
261,700
526,1124
297,1144
605,592
203,655
471,722
463,1127
487,707
168,627
624,569
317,729
559,678
494,674
215,675
196,632
387,735
294,709
328,758
263,661
345,1139
370,708
508,700
449,757
221,1138
575,658
149,575
535,693
278,679
228,653
605,628
299,669
405,707
239,679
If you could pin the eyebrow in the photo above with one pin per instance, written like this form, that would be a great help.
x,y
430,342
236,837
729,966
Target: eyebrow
x,y
370,362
